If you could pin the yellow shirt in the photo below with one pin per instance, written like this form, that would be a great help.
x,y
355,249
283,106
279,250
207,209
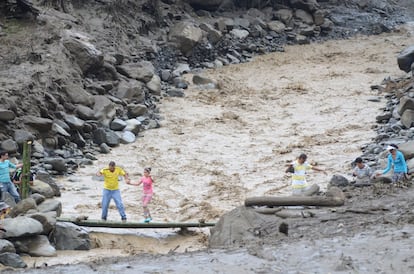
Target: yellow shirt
x,y
299,176
111,178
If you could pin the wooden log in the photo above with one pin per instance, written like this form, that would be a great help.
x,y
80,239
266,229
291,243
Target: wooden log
x,y
268,210
24,185
294,201
118,224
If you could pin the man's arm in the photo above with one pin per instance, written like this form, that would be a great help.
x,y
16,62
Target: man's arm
x,y
318,169
127,179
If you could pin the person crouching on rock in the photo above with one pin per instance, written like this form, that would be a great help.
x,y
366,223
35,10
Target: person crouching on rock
x,y
147,182
111,189
362,172
5,182
298,168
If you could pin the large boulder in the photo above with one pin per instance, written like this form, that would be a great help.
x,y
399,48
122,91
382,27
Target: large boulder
x,y
106,136
407,119
406,58
141,71
12,259
68,236
84,52
47,219
132,89
50,205
242,226
105,109
6,115
77,95
23,206
407,149
6,246
185,35
37,246
38,123
42,188
9,145
21,226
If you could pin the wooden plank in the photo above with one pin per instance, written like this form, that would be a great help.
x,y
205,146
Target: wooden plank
x,y
119,224
294,201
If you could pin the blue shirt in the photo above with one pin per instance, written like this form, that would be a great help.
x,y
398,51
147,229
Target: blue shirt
x,y
399,163
4,171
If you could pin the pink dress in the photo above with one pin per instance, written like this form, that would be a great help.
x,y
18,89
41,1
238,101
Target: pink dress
x,y
147,186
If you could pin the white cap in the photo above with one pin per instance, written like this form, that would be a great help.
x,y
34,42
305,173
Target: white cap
x,y
390,147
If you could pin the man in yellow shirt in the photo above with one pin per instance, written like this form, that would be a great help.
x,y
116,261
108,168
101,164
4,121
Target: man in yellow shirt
x,y
111,189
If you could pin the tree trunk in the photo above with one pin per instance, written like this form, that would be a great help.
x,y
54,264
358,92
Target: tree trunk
x,y
294,201
115,224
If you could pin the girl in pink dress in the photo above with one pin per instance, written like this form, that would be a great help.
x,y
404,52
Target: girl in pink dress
x,y
146,182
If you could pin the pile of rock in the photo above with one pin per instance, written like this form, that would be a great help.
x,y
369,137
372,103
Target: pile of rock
x,y
31,228
94,71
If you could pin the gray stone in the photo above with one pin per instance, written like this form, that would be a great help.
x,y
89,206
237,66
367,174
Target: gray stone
x,y
58,164
85,112
104,109
135,110
68,236
38,123
73,121
9,145
21,136
22,207
6,246
339,181
51,205
42,188
127,137
133,125
77,95
21,226
37,246
131,89
240,34
107,136
59,130
185,35
180,69
117,124
12,259
104,148
176,92
6,115
304,16
47,219
406,58
142,71
276,26
407,118
84,52
155,85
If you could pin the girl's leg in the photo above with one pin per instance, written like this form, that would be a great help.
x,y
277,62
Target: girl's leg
x,y
146,199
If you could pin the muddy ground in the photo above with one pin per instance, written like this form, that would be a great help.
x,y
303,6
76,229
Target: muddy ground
x,y
216,147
